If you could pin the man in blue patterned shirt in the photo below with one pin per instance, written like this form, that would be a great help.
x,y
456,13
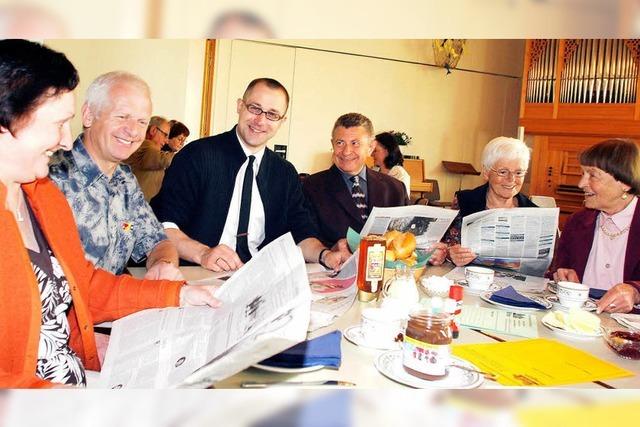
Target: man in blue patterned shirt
x,y
114,220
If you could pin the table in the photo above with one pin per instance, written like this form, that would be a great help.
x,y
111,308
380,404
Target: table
x,y
358,362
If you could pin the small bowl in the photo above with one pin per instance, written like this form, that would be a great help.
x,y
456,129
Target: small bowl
x,y
625,342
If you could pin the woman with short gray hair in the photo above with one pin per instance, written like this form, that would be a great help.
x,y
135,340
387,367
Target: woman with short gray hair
x,y
504,166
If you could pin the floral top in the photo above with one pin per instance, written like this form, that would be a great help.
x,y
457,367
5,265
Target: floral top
x,y
114,220
57,362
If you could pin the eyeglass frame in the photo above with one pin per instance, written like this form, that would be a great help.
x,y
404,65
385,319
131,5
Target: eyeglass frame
x,y
504,173
266,113
166,134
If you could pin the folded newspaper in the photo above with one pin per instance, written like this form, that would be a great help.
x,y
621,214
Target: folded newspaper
x,y
519,239
265,310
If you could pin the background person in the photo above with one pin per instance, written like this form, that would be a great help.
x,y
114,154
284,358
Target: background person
x,y
388,158
600,245
177,137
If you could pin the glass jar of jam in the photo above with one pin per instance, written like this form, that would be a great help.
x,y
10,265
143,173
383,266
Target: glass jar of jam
x,y
426,349
371,266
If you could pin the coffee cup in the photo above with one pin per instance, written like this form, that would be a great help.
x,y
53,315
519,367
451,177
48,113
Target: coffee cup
x,y
479,278
380,327
571,294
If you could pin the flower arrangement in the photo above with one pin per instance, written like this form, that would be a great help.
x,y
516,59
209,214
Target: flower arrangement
x,y
401,137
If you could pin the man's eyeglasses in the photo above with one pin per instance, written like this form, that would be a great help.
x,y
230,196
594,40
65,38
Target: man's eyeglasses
x,y
163,132
270,115
503,173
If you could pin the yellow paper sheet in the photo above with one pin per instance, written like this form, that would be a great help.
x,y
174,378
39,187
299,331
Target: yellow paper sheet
x,y
538,362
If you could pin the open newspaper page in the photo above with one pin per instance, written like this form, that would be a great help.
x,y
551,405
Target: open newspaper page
x,y
519,239
427,223
165,347
332,294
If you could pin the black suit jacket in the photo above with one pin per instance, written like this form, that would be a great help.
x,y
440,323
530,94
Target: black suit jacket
x,y
332,206
198,186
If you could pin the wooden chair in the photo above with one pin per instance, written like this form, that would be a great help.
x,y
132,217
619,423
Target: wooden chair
x,y
423,191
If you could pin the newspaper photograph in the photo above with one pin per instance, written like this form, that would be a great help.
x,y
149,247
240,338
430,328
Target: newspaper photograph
x,y
427,223
168,347
519,239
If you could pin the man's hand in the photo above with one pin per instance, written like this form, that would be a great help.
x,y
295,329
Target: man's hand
x,y
220,258
566,275
619,299
163,270
198,295
335,258
461,255
439,253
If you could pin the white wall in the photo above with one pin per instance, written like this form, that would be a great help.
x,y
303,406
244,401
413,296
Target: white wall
x,y
450,117
172,68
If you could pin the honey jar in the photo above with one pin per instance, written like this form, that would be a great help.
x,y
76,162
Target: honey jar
x,y
371,266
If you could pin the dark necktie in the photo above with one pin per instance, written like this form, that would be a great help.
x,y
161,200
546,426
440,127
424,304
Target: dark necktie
x,y
358,197
242,245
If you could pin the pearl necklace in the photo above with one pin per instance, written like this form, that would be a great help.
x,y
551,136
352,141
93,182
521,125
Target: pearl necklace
x,y
611,235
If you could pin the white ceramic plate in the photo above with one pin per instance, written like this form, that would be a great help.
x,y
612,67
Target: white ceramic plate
x,y
589,305
354,335
570,334
467,290
389,364
281,370
487,297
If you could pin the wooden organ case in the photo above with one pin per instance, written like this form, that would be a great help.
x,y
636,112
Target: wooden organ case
x,y
575,93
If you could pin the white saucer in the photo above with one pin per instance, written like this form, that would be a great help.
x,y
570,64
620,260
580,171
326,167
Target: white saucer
x,y
589,305
389,364
570,334
471,291
282,370
546,304
354,335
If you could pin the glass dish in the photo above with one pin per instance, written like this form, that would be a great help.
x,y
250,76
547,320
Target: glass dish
x,y
625,342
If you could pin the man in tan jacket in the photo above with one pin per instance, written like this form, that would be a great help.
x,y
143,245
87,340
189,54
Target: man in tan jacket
x,y
149,161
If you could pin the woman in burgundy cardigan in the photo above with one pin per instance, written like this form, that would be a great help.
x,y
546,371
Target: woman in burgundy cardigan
x,y
600,245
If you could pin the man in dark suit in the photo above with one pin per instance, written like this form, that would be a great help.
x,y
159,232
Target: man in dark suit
x,y
224,197
335,198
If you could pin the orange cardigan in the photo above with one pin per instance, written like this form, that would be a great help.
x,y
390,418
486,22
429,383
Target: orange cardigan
x,y
98,296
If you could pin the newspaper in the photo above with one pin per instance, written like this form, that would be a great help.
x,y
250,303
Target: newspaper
x,y
519,239
427,223
265,310
332,295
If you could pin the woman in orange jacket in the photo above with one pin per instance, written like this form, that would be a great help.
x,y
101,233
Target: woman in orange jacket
x,y
50,296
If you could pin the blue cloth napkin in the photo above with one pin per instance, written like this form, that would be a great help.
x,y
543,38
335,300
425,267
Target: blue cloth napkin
x,y
596,293
323,350
510,296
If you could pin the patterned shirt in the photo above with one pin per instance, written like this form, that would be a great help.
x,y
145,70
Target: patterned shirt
x,y
114,220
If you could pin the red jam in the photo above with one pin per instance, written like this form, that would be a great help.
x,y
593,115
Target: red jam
x,y
626,344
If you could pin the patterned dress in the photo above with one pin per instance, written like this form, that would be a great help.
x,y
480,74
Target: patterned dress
x,y
57,362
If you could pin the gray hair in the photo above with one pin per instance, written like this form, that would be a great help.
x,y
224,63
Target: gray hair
x,y
156,121
504,148
98,92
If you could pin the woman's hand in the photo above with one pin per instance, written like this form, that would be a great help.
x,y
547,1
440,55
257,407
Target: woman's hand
x,y
461,255
195,295
566,275
619,299
439,253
